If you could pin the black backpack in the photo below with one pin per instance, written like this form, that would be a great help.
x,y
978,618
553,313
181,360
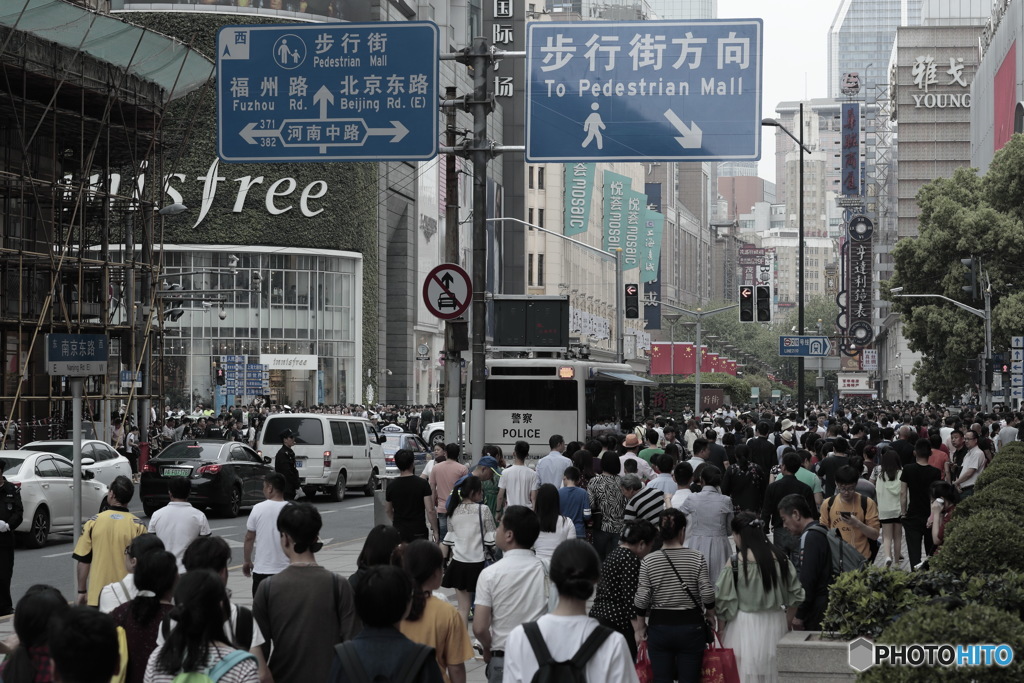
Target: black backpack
x,y
571,671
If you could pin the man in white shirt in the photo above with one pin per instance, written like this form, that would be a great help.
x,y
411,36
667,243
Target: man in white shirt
x,y
974,463
551,468
261,532
632,445
1008,434
518,484
178,524
512,591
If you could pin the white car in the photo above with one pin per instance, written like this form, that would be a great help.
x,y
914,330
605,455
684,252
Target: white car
x,y
46,486
98,457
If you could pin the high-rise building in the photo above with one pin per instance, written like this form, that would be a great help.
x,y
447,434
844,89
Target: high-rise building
x,y
684,9
861,37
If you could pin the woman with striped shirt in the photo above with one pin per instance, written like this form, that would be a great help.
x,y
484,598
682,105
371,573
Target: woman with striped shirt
x,y
672,582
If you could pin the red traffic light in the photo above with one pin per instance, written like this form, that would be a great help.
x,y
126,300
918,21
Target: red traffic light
x,y
632,290
746,292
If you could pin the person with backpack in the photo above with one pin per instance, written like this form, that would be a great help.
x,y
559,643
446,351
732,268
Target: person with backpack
x,y
815,568
751,593
155,575
380,653
854,514
567,646
196,650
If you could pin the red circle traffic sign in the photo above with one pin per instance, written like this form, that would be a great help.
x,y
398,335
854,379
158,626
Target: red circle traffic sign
x,y
447,291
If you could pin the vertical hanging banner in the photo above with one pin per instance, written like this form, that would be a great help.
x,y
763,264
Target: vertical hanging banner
x,y
850,166
636,210
615,188
579,190
860,308
650,250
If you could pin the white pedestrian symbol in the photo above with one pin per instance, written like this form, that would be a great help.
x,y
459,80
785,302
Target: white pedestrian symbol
x,y
286,55
593,127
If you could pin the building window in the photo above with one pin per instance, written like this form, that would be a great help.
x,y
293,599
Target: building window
x,y
540,270
529,270
540,218
529,218
540,178
530,183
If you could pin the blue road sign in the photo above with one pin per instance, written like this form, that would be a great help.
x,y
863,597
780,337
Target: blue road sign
x,y
327,92
796,345
77,355
643,90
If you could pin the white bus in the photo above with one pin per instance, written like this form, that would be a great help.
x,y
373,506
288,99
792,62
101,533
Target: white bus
x,y
532,399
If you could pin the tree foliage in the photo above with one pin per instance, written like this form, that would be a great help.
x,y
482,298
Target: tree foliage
x,y
968,215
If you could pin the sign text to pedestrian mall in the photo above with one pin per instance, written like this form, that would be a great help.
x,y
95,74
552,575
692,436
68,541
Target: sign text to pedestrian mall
x,y
644,90
327,92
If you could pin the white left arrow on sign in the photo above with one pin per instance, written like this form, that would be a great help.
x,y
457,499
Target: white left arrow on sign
x,y
251,135
690,136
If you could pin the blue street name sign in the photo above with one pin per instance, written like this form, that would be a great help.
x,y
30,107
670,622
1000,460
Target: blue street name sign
x,y
804,346
327,92
643,90
76,355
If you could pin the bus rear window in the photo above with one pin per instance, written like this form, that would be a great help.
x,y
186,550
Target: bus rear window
x,y
523,394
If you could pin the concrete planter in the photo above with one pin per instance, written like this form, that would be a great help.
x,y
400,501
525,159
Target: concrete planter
x,y
804,656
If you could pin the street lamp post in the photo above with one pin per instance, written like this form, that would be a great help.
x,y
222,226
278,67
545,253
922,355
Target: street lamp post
x,y
800,249
672,319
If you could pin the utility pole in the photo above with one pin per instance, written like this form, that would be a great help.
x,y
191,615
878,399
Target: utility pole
x,y
453,357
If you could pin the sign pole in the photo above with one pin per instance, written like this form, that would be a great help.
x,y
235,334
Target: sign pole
x,y
480,56
76,466
453,358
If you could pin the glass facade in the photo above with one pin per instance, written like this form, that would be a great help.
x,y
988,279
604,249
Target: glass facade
x,y
861,39
304,302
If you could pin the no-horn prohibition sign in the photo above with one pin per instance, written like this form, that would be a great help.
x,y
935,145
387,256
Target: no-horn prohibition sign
x,y
447,291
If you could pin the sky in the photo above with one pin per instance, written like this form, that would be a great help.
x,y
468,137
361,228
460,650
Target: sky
x,y
795,60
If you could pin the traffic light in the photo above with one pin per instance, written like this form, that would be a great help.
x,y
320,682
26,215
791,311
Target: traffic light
x,y
970,286
218,373
763,303
989,368
746,304
633,301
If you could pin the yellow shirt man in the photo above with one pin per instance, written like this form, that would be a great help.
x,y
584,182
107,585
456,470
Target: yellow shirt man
x,y
856,526
102,546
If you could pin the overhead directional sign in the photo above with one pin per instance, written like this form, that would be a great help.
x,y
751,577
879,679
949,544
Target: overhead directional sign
x,y
447,291
77,355
643,90
327,92
808,346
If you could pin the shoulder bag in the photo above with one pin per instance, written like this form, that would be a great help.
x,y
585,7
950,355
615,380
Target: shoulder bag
x,y
709,633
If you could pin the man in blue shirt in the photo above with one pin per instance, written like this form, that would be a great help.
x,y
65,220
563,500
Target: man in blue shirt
x,y
552,466
575,502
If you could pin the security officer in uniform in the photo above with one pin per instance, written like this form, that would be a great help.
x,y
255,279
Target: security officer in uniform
x,y
284,463
11,511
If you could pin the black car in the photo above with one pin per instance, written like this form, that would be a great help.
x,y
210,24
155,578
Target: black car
x,y
225,475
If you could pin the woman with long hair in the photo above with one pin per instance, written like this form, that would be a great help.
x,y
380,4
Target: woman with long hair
x,y
197,642
892,502
607,504
554,526
674,597
575,569
380,543
744,481
30,661
752,591
620,571
432,621
708,514
155,575
471,537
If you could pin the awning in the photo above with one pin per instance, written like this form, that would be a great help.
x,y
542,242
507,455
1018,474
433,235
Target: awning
x,y
166,62
632,380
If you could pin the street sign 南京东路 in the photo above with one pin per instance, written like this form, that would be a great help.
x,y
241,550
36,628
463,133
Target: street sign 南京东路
x,y
327,92
643,90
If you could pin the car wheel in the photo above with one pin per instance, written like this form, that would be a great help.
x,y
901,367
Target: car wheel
x,y
372,484
437,438
39,529
338,490
234,504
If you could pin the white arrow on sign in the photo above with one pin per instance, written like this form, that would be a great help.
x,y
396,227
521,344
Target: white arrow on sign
x,y
323,97
398,131
251,135
691,136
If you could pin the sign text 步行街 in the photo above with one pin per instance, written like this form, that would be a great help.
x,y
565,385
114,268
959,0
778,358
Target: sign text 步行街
x,y
341,92
640,91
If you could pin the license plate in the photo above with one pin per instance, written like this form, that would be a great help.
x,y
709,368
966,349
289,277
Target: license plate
x,y
298,464
177,471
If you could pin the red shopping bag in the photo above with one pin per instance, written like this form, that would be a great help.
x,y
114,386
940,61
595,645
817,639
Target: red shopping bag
x,y
644,671
719,665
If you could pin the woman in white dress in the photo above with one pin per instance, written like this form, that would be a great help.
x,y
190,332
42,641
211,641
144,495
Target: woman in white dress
x,y
708,514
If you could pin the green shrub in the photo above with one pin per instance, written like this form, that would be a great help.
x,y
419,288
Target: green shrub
x,y
987,542
1011,469
1011,451
863,603
967,625
1004,591
1004,495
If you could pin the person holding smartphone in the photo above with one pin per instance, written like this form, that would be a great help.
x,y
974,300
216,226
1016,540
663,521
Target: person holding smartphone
x,y
855,515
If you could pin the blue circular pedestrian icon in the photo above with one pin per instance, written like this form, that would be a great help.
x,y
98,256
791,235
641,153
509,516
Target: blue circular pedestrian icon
x,y
289,51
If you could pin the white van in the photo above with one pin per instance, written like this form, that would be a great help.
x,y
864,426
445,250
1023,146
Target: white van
x,y
332,452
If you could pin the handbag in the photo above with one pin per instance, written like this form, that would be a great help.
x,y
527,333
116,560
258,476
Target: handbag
x,y
709,633
644,670
719,665
488,552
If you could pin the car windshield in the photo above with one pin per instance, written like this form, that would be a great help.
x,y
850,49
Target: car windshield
x,y
11,465
65,449
308,431
190,450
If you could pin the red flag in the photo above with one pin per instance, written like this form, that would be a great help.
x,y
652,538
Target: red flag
x,y
708,362
661,358
686,359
